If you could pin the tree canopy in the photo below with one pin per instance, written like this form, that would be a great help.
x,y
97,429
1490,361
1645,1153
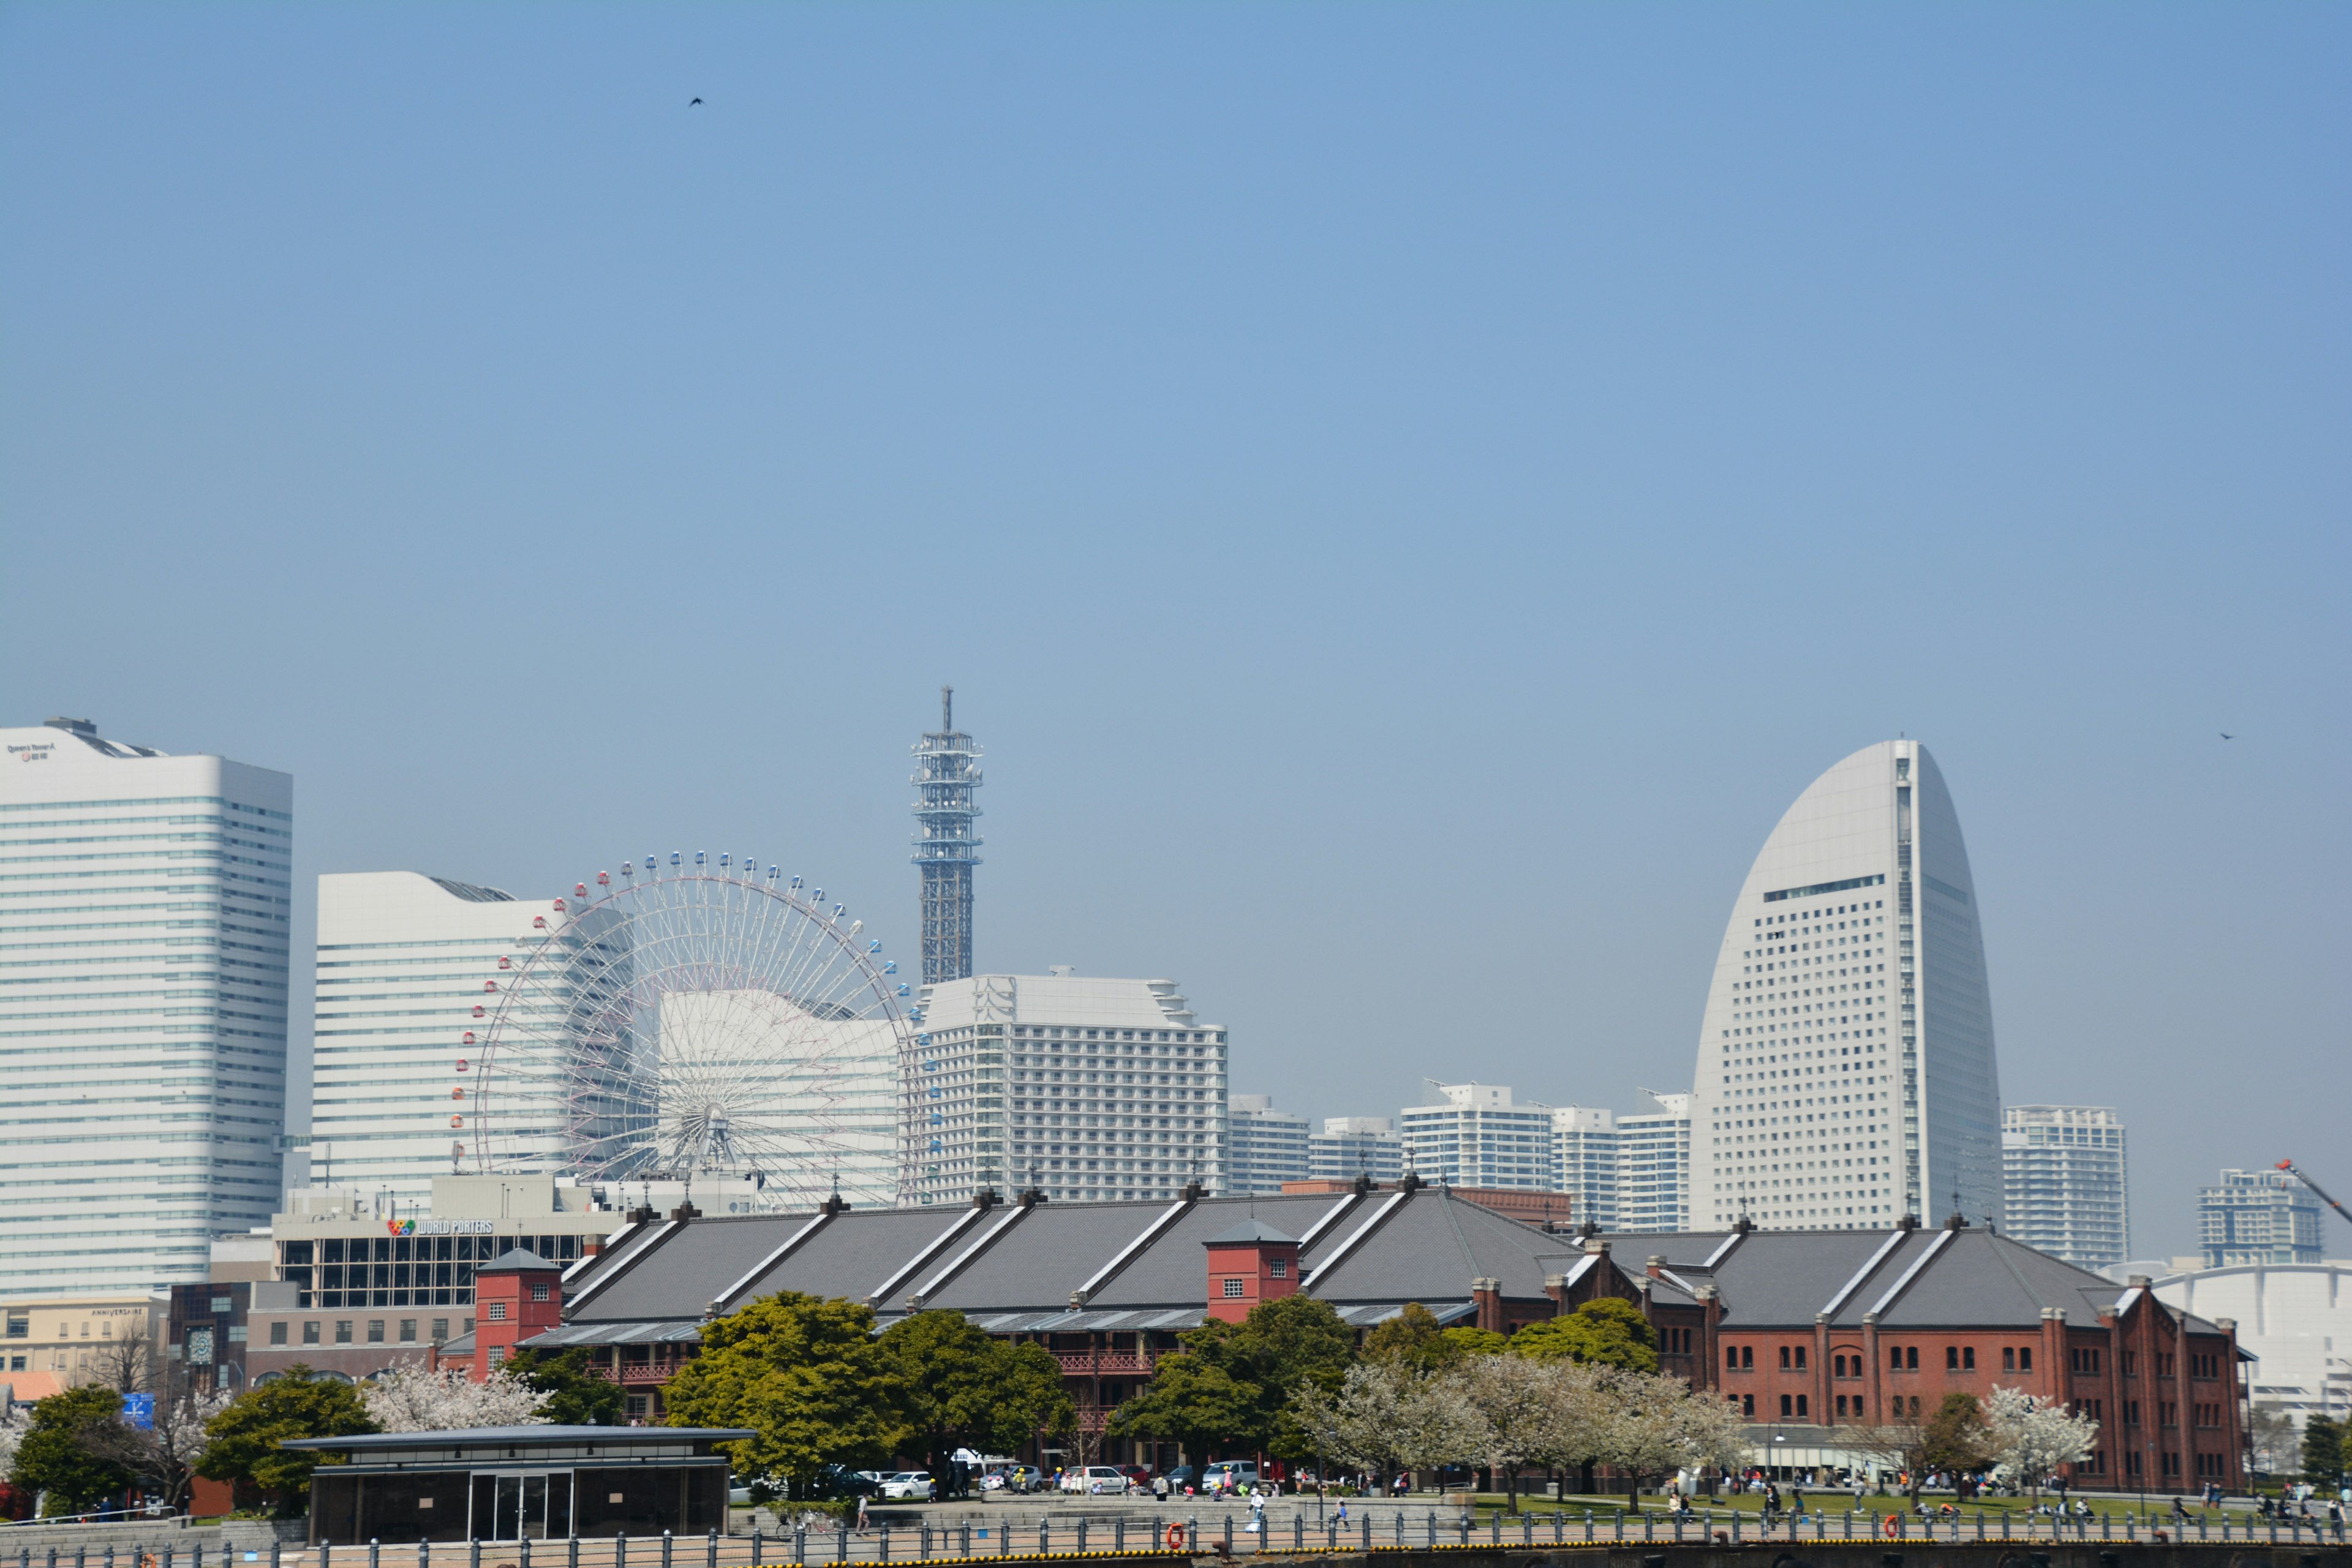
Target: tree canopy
x,y
1607,1331
808,1376
576,1396
58,1455
1233,1382
965,1388
243,1440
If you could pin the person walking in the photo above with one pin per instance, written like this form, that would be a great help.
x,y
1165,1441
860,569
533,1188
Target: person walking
x,y
861,1513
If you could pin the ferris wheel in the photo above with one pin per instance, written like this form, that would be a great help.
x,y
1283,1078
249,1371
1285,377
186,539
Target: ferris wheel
x,y
689,1020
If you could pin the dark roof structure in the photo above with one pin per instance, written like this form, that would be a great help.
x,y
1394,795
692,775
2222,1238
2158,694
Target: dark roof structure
x,y
518,1261
1033,1266
520,1436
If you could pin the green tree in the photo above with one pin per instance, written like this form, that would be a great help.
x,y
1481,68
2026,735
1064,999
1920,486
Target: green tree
x,y
1607,1331
1191,1402
1457,1345
576,1395
965,1388
1233,1382
1411,1340
1955,1437
807,1376
245,1437
58,1455
2323,1451
1281,1347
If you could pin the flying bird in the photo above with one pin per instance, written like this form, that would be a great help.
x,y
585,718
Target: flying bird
x,y
691,105
2226,736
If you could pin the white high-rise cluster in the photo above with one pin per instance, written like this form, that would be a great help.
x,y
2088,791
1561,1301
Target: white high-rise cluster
x,y
1845,1065
1089,1087
1265,1147
145,906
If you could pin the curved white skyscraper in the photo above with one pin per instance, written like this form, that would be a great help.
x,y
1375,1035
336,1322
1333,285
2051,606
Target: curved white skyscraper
x,y
1846,1070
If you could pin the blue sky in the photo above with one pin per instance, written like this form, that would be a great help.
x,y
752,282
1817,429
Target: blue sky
x,y
1406,495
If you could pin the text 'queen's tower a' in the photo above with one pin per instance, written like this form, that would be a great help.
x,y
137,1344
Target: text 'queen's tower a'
x,y
947,846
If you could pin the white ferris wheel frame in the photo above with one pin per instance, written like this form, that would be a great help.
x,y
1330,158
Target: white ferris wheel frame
x,y
797,930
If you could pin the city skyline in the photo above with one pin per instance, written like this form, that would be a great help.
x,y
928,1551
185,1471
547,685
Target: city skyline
x,y
1405,498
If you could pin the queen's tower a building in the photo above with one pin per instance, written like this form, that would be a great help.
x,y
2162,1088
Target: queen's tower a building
x,y
947,842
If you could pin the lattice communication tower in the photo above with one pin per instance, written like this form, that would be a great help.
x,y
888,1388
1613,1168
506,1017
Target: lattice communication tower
x,y
947,844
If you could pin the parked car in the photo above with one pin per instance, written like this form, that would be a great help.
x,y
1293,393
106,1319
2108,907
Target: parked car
x,y
1138,1476
1012,1480
1092,1480
1229,1475
913,1485
833,1481
1179,1478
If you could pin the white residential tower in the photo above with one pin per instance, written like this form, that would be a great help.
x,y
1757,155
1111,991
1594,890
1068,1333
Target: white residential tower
x,y
2064,1185
1088,1087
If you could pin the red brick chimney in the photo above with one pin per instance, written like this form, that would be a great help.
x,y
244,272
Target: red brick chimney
x,y
1252,1262
517,1297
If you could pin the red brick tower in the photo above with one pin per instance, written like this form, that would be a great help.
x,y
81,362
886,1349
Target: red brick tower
x,y
1252,1262
520,1295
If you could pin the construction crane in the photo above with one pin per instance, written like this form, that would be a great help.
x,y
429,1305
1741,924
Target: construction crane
x,y
2289,1167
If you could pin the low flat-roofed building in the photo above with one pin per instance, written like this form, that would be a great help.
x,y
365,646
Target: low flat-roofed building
x,y
520,1483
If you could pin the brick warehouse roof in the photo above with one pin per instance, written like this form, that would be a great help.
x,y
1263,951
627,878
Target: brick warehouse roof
x,y
1017,1268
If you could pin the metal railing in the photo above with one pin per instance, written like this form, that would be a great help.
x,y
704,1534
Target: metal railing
x,y
1384,1530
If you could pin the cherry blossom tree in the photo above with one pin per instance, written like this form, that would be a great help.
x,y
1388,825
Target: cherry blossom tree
x,y
416,1398
2032,1435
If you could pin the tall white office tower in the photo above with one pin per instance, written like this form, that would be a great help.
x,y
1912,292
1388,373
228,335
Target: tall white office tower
x,y
1353,1146
1584,1160
401,962
146,905
1653,1166
2064,1185
1113,1090
1845,1064
1264,1147
1479,1137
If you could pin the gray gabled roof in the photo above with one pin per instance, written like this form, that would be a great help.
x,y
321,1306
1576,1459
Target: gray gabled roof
x,y
1141,1266
518,1261
1251,1231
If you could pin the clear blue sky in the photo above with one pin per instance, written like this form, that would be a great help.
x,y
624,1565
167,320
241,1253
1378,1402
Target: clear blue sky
x,y
1407,495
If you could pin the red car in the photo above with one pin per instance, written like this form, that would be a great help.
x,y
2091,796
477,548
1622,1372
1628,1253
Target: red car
x,y
1139,1475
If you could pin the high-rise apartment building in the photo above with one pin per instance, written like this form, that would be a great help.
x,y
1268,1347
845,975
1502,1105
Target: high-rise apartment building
x,y
1584,1160
146,906
1264,1147
1353,1146
1653,1166
1086,1087
947,842
1479,1137
2257,1216
403,959
2062,1182
1846,1065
